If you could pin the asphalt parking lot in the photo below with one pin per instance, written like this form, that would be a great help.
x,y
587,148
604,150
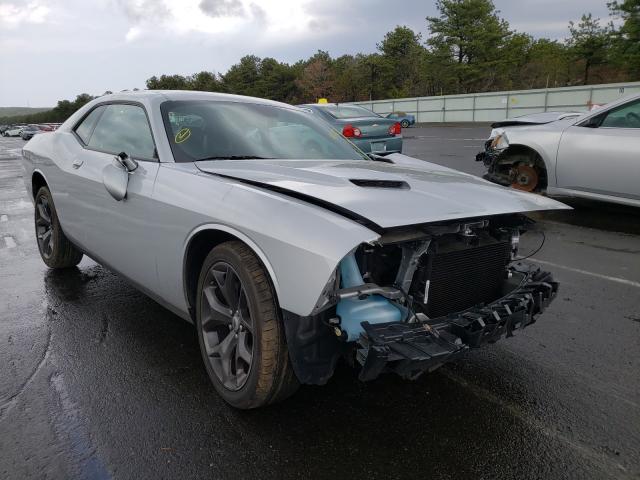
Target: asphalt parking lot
x,y
98,381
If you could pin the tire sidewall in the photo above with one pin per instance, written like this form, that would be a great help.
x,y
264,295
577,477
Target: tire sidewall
x,y
243,397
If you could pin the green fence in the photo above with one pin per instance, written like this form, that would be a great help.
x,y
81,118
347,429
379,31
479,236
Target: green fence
x,y
487,107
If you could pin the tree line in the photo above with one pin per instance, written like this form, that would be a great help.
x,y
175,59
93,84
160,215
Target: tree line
x,y
469,48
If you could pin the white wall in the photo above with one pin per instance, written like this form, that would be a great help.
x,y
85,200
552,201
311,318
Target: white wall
x,y
487,107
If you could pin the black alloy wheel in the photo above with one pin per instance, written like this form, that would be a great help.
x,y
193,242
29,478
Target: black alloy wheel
x,y
227,327
55,248
44,227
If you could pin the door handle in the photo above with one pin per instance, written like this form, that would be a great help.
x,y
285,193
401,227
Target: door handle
x,y
77,163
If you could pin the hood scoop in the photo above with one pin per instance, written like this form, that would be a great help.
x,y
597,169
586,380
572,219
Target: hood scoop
x,y
368,183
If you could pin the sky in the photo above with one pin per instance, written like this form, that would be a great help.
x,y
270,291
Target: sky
x,y
56,49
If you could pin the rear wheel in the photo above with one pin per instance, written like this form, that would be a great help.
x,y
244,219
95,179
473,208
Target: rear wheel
x,y
240,332
405,123
55,248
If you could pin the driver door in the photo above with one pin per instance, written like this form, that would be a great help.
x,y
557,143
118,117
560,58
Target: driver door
x,y
602,154
119,233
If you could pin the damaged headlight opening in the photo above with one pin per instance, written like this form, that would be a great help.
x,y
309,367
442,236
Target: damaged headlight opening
x,y
500,142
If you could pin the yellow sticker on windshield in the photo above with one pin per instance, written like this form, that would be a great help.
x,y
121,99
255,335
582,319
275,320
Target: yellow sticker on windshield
x,y
183,135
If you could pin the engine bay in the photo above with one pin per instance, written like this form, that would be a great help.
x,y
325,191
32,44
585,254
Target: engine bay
x,y
432,270
420,296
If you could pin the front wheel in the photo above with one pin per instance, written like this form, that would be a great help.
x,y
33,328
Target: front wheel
x,y
240,332
525,178
55,248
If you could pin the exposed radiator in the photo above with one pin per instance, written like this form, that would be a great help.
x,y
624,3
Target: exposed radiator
x,y
460,279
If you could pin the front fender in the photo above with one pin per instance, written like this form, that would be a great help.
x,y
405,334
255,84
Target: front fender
x,y
300,244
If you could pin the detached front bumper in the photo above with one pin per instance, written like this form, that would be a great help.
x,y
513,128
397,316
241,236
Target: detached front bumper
x,y
410,349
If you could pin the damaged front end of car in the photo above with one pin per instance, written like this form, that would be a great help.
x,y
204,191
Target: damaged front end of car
x,y
513,166
418,297
492,157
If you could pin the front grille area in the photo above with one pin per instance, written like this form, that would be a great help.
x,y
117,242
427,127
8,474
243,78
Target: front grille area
x,y
460,279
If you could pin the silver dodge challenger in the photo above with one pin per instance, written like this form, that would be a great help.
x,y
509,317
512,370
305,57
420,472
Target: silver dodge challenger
x,y
592,155
286,246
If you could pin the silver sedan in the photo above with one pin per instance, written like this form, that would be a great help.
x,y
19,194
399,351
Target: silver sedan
x,y
592,155
284,244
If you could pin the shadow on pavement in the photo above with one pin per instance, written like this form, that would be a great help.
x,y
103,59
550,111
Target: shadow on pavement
x,y
593,214
135,373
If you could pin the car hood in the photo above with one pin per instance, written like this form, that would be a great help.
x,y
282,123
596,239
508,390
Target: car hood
x,y
407,192
535,119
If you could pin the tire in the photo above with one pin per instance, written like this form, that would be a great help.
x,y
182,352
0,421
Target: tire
x,y
404,123
55,248
242,341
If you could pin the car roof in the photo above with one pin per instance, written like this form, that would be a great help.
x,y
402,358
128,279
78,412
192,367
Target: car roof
x,y
175,95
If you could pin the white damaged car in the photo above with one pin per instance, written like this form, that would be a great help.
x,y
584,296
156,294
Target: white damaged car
x,y
284,244
593,155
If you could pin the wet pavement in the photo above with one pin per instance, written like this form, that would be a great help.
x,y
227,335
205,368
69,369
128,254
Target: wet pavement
x,y
98,381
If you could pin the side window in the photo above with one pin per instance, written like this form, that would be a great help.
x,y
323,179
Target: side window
x,y
626,116
123,128
85,129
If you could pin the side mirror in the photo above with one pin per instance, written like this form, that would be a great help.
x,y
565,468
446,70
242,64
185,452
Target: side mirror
x,y
115,180
128,163
115,176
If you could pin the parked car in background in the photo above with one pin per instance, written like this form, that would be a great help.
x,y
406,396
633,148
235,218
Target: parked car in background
x,y
3,128
592,155
29,131
404,118
13,131
285,257
370,132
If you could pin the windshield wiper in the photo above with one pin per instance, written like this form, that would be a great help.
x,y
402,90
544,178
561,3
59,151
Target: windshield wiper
x,y
233,157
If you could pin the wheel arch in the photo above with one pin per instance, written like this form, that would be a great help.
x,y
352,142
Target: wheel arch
x,y
520,149
198,245
38,181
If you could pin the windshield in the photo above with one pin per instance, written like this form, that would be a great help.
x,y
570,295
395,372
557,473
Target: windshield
x,y
209,130
349,111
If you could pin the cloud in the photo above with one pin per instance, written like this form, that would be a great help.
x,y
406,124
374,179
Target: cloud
x,y
143,15
318,25
39,38
16,14
222,8
143,11
258,13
